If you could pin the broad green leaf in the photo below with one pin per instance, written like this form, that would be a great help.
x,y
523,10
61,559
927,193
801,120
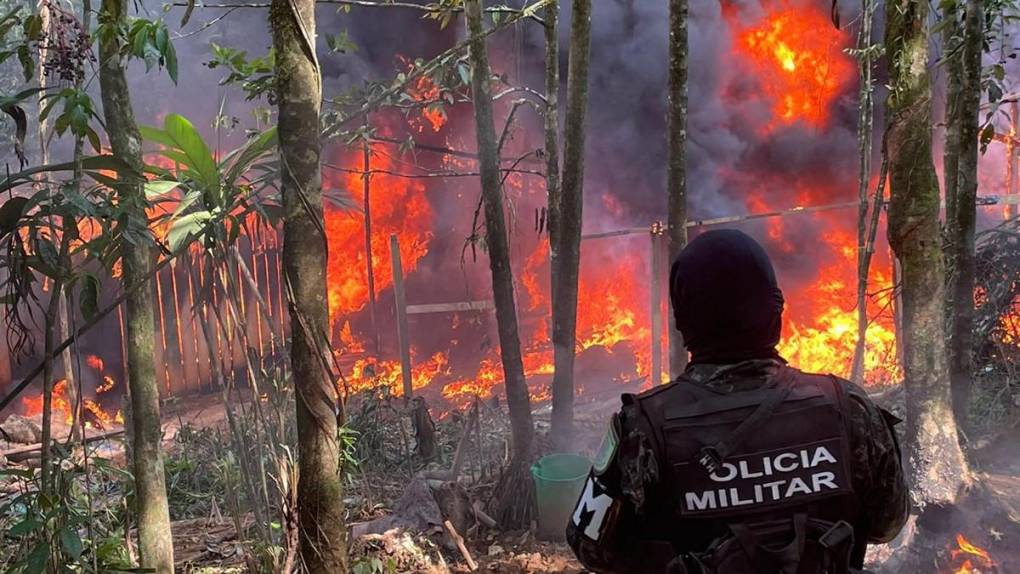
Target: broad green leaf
x,y
249,153
26,526
187,201
10,214
106,162
185,227
71,542
156,135
189,141
37,559
156,188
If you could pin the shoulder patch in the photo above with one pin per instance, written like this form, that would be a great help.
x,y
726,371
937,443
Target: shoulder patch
x,y
607,450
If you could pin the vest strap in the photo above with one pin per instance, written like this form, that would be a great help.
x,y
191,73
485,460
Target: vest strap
x,y
711,457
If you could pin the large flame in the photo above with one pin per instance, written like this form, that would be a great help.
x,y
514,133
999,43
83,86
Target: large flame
x,y
797,54
398,207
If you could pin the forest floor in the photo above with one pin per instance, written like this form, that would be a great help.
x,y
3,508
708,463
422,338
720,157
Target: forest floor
x,y
206,539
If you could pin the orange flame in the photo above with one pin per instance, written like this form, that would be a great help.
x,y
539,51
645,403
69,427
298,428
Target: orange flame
x,y
971,555
797,56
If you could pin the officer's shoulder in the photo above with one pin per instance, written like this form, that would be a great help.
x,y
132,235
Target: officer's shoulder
x,y
633,398
858,396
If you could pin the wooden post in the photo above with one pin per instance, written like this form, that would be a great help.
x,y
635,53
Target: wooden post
x,y
367,186
656,298
401,304
1012,154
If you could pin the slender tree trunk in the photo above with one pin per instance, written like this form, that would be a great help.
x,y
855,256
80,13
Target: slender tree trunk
x,y
323,533
962,212
155,545
72,394
496,240
568,251
865,120
676,172
935,460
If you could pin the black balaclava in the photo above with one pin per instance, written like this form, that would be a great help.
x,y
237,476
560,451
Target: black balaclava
x,y
726,301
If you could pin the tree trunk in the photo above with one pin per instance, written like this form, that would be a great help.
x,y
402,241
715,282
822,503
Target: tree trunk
x,y
865,120
676,172
496,240
299,89
962,212
934,458
567,260
155,544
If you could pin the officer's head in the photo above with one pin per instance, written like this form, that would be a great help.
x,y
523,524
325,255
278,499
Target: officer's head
x,y
726,301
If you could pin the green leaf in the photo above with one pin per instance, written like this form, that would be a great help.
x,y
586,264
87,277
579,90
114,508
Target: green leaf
x,y
187,201
89,296
10,214
27,63
32,28
189,141
26,526
71,542
93,162
170,57
182,229
156,135
37,559
157,188
250,153
94,141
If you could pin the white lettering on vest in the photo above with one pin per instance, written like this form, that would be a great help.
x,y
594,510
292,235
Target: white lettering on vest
x,y
748,491
731,473
705,502
599,505
778,462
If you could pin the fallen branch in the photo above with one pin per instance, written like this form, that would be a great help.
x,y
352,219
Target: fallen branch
x,y
38,446
481,515
459,540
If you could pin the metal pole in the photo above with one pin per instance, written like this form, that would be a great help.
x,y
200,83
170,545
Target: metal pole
x,y
656,299
401,304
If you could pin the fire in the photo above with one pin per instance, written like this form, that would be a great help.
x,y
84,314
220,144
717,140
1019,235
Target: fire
x,y
398,207
974,559
425,91
796,53
95,416
94,362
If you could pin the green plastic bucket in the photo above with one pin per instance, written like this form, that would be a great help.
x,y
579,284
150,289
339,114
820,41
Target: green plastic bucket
x,y
559,479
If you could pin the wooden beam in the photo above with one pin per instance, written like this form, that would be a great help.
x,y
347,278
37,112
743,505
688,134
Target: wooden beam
x,y
401,303
457,307
655,263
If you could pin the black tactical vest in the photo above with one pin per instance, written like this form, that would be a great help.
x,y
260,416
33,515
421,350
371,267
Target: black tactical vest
x,y
796,462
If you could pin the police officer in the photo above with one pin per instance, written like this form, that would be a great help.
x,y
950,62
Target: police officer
x,y
742,464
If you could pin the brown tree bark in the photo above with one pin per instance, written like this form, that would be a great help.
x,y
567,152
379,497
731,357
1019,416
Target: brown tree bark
x,y
934,459
566,251
155,545
496,241
323,533
961,204
676,171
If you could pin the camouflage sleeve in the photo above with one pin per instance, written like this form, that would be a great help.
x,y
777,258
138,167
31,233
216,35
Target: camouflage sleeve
x,y
606,529
878,471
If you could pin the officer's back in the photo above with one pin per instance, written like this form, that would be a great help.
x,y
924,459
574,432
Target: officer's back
x,y
743,464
